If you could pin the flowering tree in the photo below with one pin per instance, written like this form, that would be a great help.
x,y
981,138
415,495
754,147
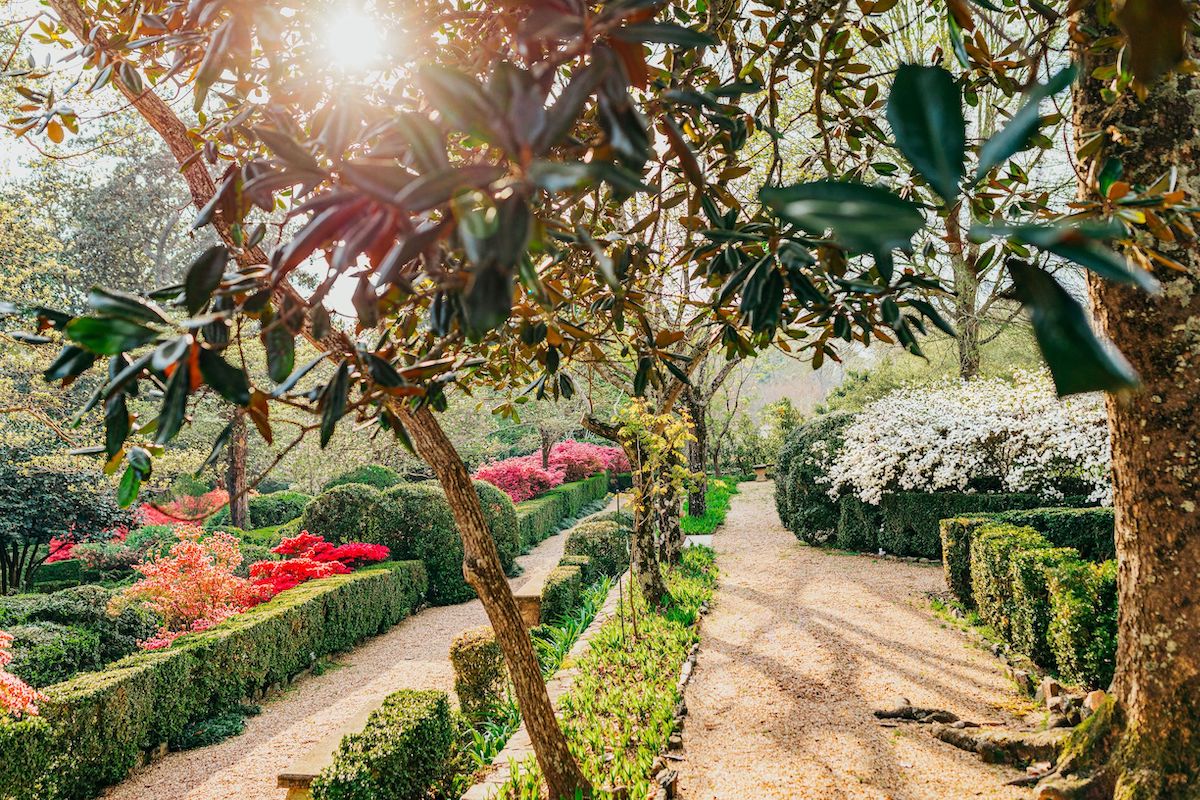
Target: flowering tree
x,y
951,434
17,698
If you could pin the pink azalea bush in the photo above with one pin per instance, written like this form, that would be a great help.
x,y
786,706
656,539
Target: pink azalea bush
x,y
184,508
17,698
193,586
63,548
524,477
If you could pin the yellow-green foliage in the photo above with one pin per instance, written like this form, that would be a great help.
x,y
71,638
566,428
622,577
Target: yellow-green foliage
x,y
1031,599
542,516
1083,622
95,726
560,592
480,675
992,550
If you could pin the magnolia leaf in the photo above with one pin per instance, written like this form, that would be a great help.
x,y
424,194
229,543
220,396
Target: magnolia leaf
x,y
863,219
203,277
1015,136
109,336
925,112
229,381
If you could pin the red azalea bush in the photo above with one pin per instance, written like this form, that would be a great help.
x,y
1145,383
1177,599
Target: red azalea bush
x,y
185,508
520,478
63,548
17,698
308,556
193,587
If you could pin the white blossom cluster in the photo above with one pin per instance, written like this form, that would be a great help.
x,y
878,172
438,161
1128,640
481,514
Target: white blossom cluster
x,y
951,434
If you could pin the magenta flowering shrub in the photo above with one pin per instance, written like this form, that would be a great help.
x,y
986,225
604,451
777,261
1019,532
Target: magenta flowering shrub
x,y
524,477
520,478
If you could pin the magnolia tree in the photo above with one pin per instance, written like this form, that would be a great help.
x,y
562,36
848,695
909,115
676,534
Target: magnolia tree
x,y
950,435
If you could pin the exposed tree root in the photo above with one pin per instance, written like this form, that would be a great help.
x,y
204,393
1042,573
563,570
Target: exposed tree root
x,y
1019,748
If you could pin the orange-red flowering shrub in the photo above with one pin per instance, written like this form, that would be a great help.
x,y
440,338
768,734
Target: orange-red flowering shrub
x,y
193,587
17,698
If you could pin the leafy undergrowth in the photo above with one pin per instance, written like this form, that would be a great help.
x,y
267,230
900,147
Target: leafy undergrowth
x,y
215,729
621,710
720,490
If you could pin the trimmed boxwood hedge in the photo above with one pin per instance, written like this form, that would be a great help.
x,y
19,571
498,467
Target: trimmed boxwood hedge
x,y
340,514
407,751
542,516
374,475
801,493
858,525
585,567
414,520
501,516
909,524
480,675
957,533
59,572
1031,599
265,510
604,542
992,550
560,592
95,727
1091,531
1083,622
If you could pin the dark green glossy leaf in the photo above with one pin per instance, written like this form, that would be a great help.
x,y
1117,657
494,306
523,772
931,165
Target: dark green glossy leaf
x,y
1083,246
1078,360
863,219
664,33
227,380
71,362
139,459
925,112
174,405
109,336
116,425
281,350
203,277
169,352
128,488
218,445
334,405
127,306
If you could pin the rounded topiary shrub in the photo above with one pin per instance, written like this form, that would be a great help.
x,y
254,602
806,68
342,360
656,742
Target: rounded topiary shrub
x,y
87,607
605,542
276,508
501,516
375,475
623,518
415,522
340,514
480,676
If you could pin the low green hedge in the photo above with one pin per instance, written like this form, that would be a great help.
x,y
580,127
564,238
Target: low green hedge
x,y
1083,622
47,652
340,514
94,728
265,510
542,516
604,542
801,491
992,550
69,569
501,516
1088,530
480,675
560,592
586,569
407,751
414,521
909,520
1030,616
858,525
956,534
374,475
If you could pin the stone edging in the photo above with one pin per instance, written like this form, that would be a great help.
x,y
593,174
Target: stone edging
x,y
519,746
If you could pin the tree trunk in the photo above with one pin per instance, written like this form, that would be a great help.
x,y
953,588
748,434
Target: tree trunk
x,y
235,473
1154,748
966,299
697,452
547,444
483,571
643,552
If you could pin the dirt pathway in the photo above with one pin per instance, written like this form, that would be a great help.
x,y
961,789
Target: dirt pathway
x,y
801,646
412,655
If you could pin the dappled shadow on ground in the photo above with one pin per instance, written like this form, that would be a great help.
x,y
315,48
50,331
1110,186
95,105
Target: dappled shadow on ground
x,y
801,647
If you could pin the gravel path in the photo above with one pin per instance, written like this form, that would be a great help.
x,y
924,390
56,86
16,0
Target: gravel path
x,y
412,655
801,646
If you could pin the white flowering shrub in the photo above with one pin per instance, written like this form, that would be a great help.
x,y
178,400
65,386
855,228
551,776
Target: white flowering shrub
x,y
960,435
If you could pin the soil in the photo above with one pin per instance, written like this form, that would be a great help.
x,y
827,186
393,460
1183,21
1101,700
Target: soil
x,y
802,645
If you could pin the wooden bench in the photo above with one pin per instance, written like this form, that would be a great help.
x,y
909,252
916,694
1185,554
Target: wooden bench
x,y
299,775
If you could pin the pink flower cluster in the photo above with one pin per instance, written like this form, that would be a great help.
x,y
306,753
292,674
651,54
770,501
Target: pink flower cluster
x,y
308,556
524,477
17,698
64,548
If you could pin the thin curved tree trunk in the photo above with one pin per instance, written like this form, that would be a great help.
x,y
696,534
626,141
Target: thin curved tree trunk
x,y
483,571
697,453
235,473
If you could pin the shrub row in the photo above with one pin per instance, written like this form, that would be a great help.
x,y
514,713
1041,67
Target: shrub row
x,y
1047,602
95,727
407,751
908,523
542,516
265,510
374,475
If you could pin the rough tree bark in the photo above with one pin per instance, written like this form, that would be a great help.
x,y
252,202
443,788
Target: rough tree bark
x,y
561,772
966,297
1151,732
483,571
235,472
697,448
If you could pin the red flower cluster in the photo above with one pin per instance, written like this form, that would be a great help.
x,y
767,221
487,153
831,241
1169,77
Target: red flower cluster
x,y
308,556
64,548
524,477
